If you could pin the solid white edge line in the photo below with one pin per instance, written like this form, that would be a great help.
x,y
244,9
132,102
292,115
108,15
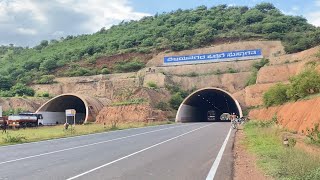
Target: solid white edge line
x,y
137,152
82,146
79,136
216,163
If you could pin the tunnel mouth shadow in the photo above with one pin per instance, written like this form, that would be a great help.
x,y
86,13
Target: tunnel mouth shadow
x,y
207,105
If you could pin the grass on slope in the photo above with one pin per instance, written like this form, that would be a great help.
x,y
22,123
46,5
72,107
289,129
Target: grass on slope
x,y
53,132
264,140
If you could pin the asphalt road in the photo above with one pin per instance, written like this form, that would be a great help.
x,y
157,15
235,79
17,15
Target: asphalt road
x,y
179,151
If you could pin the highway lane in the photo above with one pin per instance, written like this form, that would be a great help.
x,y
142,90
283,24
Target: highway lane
x,y
180,151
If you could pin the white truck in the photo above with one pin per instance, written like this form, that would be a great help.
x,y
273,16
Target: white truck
x,y
25,120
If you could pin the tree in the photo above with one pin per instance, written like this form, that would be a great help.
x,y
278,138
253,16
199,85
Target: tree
x,y
176,100
48,65
265,7
252,16
5,83
44,43
21,90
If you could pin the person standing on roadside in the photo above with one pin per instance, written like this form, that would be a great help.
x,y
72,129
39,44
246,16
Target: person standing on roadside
x,y
5,126
233,116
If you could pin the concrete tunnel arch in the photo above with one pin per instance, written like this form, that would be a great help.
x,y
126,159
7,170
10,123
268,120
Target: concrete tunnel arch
x,y
194,108
53,111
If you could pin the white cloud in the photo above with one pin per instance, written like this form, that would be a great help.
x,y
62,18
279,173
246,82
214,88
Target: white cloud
x,y
26,31
102,13
55,18
295,8
9,8
314,17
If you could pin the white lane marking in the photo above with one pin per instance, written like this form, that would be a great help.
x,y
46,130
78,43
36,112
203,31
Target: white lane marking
x,y
77,147
66,138
125,157
216,163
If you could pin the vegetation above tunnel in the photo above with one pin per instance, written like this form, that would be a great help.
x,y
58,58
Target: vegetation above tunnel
x,y
176,30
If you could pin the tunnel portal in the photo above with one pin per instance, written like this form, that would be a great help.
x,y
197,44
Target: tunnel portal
x,y
53,111
207,104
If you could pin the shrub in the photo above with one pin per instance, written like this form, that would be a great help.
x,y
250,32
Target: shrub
x,y
317,54
6,94
260,64
218,72
129,102
13,139
105,71
42,94
13,111
276,95
192,74
164,106
152,85
46,79
304,84
129,66
231,70
252,79
81,71
314,134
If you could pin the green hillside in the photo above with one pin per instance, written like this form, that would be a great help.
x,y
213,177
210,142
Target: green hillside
x,y
177,30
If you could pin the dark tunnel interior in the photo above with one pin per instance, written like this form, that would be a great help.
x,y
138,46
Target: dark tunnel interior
x,y
66,102
207,105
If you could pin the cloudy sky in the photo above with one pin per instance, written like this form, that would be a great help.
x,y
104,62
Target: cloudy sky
x,y
27,22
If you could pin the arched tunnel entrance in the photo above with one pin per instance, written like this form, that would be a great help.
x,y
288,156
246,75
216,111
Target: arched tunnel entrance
x,y
53,111
205,103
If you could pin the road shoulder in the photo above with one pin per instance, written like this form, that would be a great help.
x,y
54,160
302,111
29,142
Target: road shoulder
x,y
225,169
245,167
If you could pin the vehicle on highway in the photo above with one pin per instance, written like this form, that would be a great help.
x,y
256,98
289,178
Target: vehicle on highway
x,y
211,115
25,120
225,117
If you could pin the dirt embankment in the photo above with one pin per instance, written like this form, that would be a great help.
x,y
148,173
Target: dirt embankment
x,y
130,113
25,104
297,116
